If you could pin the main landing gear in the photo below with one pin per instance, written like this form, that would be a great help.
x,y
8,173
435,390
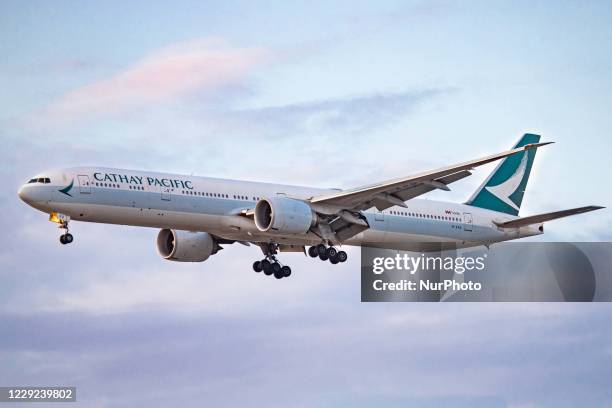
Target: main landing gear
x,y
327,253
270,265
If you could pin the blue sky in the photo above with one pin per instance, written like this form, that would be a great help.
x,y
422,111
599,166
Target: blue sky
x,y
307,93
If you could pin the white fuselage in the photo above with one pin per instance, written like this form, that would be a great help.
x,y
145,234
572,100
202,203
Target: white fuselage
x,y
159,200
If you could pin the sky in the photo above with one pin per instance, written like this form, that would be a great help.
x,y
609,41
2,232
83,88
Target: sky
x,y
308,93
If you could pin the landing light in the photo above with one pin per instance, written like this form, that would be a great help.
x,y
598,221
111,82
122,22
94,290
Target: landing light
x,y
58,218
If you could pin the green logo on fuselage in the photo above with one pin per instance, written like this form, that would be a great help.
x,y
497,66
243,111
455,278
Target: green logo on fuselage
x,y
66,190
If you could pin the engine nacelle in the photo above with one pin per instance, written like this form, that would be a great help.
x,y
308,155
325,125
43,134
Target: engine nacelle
x,y
284,215
185,246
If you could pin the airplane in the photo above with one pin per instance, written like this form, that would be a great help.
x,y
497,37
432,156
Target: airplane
x,y
198,215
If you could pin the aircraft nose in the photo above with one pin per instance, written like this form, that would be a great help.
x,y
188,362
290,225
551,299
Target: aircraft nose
x,y
25,194
21,193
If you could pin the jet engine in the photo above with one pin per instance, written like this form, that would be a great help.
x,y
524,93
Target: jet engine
x,y
284,215
185,246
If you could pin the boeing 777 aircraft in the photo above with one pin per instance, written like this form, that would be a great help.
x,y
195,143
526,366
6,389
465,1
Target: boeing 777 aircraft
x,y
197,215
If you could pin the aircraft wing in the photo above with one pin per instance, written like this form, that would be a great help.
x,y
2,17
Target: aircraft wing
x,y
394,192
540,218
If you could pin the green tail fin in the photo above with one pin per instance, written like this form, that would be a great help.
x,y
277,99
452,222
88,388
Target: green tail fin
x,y
503,190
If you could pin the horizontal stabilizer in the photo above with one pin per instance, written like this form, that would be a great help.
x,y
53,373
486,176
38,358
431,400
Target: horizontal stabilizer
x,y
540,218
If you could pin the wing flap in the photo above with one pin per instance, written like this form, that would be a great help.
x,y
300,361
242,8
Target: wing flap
x,y
414,190
344,229
426,187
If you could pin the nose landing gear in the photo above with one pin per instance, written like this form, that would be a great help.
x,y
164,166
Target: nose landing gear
x,y
62,220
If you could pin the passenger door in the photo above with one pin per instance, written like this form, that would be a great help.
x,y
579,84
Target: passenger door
x,y
380,226
467,221
166,193
84,184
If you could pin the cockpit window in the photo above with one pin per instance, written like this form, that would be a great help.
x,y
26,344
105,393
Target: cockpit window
x,y
44,180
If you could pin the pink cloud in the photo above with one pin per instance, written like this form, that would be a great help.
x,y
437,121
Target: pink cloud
x,y
171,72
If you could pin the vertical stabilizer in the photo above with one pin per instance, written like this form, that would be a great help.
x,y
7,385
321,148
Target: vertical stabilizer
x,y
503,190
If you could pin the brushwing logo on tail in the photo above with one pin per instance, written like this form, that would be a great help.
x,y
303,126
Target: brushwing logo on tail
x,y
504,190
66,190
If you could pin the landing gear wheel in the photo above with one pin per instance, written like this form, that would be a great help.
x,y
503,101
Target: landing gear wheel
x,y
334,259
276,268
279,274
266,266
313,252
323,256
331,252
66,238
342,256
321,249
257,266
286,271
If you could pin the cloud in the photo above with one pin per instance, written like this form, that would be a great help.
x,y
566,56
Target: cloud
x,y
171,72
140,137
324,354
351,114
